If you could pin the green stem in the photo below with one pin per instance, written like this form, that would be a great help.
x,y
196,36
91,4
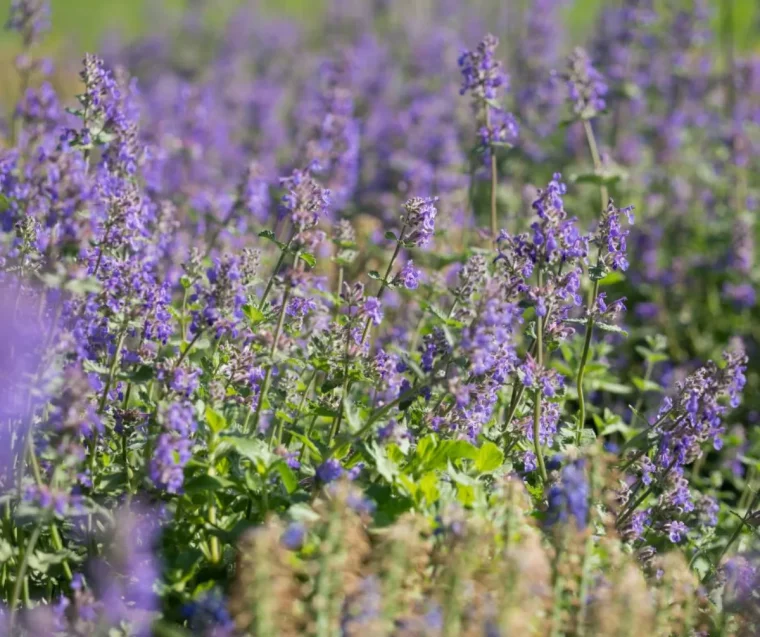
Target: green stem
x,y
537,397
739,529
494,180
184,354
272,352
385,281
276,270
21,575
582,366
335,428
597,161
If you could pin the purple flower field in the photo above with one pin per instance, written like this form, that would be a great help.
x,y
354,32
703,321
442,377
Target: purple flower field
x,y
387,327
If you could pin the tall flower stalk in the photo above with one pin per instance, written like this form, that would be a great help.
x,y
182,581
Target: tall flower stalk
x,y
484,78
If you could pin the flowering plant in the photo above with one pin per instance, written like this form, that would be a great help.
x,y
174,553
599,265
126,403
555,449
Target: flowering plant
x,y
264,372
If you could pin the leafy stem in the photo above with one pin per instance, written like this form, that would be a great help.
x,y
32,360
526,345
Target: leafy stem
x,y
273,350
21,575
537,397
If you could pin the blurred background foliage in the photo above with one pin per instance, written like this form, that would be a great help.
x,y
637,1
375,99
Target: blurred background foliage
x,y
82,24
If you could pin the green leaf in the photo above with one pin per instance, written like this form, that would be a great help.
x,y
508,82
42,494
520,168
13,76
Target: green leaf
x,y
598,272
645,385
252,448
489,457
309,259
41,561
143,374
391,236
205,483
215,420
428,486
607,327
94,367
286,473
309,444
605,179
383,465
270,236
253,314
609,387
588,437
374,274
451,450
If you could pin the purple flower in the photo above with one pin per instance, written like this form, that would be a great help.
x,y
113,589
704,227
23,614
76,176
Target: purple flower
x,y
409,276
611,237
305,201
482,74
294,536
570,498
586,85
330,470
373,310
676,531
30,18
419,219
173,446
742,295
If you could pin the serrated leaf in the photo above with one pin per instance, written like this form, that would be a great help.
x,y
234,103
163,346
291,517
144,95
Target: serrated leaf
x,y
207,484
270,236
428,486
309,445
588,437
252,448
41,561
308,258
598,271
608,327
143,374
215,420
489,457
451,450
383,465
286,474
253,314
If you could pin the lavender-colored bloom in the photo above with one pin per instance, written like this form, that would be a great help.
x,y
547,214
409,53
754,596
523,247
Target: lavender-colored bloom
x,y
742,295
305,201
172,449
676,531
127,584
294,536
208,615
330,470
419,220
482,74
185,380
586,85
373,309
409,276
570,498
30,18
611,237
